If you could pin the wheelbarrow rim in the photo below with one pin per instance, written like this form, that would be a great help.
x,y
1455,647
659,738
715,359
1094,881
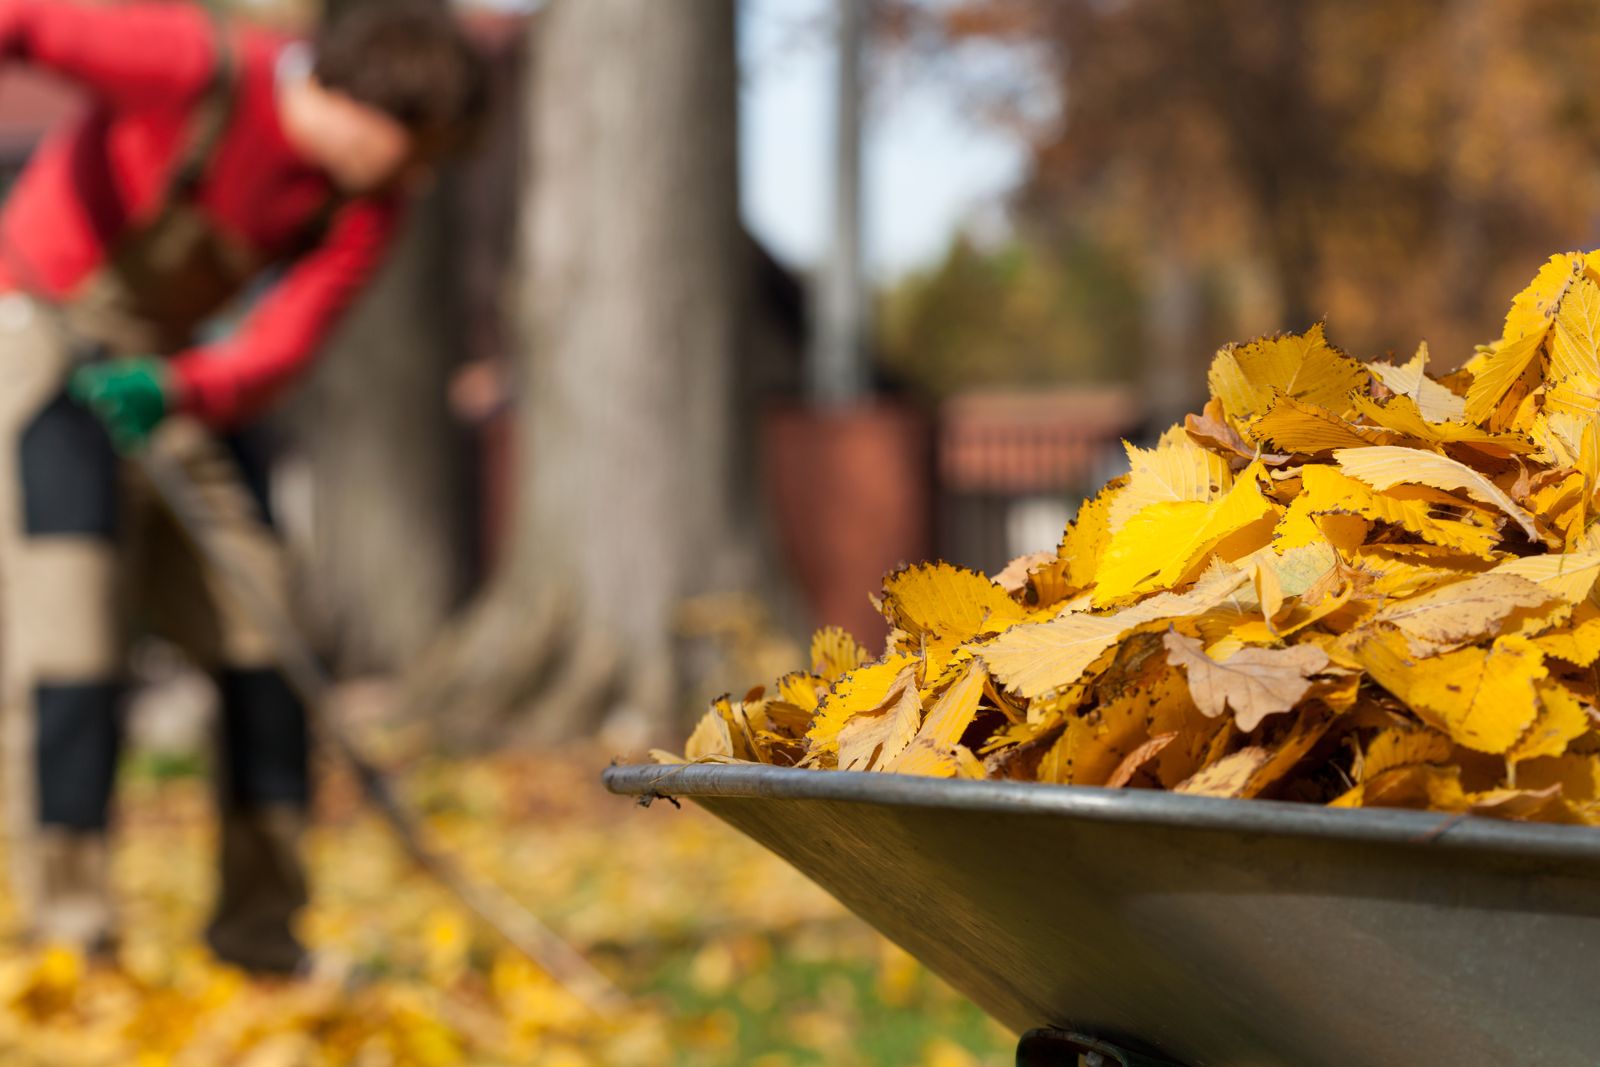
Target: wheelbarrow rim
x,y
1268,818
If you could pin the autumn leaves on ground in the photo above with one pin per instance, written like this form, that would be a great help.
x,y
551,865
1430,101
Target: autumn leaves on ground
x,y
1347,583
735,959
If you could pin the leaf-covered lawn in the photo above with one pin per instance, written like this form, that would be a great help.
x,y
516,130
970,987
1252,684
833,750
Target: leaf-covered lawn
x,y
735,958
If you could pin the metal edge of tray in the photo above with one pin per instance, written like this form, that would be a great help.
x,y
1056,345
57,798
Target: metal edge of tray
x,y
1434,830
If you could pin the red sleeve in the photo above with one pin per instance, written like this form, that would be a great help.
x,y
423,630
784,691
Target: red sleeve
x,y
128,55
230,381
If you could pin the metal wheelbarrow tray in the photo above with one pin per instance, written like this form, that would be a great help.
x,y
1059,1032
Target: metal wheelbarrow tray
x,y
1209,933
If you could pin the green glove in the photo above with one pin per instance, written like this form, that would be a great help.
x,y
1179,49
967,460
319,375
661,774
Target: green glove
x,y
129,395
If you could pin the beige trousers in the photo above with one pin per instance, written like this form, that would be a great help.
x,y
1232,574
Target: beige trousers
x,y
88,559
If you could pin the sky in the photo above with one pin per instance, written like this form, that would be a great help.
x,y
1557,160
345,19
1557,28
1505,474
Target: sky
x,y
930,168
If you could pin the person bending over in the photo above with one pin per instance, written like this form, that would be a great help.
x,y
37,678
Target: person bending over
x,y
211,154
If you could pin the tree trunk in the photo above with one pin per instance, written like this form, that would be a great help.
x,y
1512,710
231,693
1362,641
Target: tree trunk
x,y
379,511
373,489
630,247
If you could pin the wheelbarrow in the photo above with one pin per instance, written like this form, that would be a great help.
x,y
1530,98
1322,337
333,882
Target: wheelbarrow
x,y
1147,929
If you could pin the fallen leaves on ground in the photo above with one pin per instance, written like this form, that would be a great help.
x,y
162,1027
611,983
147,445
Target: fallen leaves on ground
x,y
734,958
1344,583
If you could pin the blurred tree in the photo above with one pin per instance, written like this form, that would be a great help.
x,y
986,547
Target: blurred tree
x,y
1393,165
631,251
383,458
1028,313
385,461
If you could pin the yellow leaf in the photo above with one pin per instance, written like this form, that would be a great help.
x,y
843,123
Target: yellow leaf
x,y
955,762
1558,438
1535,308
1037,659
1431,400
1300,529
1239,524
1401,415
1575,341
1098,743
1578,776
1414,786
1412,508
1251,771
1574,373
1144,546
939,607
1536,805
834,654
1503,380
1578,643
1177,469
1298,569
935,743
1171,712
1398,575
1168,544
1568,575
712,737
1562,719
1562,505
1484,699
875,737
1576,398
802,690
784,719
1013,577
1463,612
863,689
1254,682
1269,589
1247,377
1291,425
1384,467
1049,585
1085,540
1138,760
1308,611
1402,747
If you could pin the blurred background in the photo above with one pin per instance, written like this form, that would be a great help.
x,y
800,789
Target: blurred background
x,y
740,305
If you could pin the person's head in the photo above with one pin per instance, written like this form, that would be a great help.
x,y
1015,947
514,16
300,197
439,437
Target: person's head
x,y
394,87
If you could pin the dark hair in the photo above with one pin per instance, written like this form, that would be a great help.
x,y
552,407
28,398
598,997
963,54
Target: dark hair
x,y
410,60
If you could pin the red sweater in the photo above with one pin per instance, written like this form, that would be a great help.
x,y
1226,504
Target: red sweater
x,y
146,65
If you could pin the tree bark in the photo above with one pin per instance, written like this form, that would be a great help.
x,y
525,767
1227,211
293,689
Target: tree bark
x,y
381,464
630,249
375,482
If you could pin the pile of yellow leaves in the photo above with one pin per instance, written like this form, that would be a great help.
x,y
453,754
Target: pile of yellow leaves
x,y
1343,583
732,957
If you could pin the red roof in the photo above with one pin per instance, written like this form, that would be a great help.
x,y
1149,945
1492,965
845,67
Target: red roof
x,y
1035,441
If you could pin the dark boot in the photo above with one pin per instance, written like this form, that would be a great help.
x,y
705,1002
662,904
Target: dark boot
x,y
263,886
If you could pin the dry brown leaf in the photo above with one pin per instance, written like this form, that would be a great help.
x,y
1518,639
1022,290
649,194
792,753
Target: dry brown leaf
x,y
1254,682
1138,759
1464,612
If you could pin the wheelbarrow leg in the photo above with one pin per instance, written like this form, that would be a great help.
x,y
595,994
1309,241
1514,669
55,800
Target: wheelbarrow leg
x,y
1059,1048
